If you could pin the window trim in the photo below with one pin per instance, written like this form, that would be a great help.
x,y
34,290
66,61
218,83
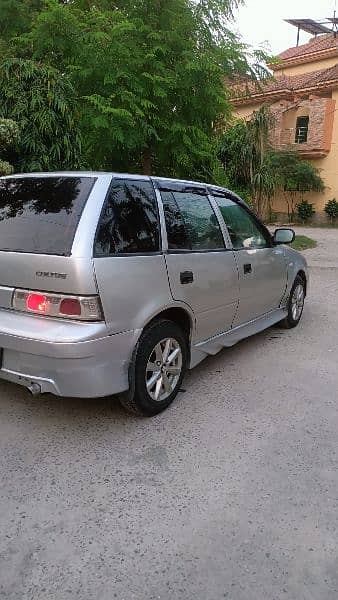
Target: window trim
x,y
264,230
182,251
182,187
129,254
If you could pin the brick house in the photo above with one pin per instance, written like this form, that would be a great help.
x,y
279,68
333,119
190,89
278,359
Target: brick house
x,y
302,96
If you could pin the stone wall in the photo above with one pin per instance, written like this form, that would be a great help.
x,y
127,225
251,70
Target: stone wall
x,y
321,114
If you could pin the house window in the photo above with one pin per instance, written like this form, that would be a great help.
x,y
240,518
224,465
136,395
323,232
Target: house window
x,y
302,128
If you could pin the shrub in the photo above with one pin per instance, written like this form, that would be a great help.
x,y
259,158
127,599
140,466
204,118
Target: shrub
x,y
305,210
9,133
331,209
5,168
9,136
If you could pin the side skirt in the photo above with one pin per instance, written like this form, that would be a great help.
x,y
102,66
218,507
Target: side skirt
x,y
231,337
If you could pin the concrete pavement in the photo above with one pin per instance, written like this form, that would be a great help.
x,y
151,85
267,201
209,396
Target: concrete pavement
x,y
231,493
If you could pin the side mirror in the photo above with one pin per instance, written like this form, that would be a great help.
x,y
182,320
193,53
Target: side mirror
x,y
283,236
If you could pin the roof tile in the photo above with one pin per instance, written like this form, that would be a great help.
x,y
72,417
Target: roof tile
x,y
316,44
286,83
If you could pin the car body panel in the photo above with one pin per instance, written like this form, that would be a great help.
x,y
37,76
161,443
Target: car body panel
x,y
132,289
213,294
60,274
295,263
262,288
90,368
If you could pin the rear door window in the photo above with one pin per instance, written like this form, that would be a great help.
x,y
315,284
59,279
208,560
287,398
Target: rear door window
x,y
191,222
40,214
129,223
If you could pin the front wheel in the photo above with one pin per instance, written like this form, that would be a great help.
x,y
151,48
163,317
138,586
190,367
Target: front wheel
x,y
157,370
295,304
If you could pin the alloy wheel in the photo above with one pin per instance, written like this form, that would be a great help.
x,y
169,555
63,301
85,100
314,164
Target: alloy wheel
x,y
164,369
297,302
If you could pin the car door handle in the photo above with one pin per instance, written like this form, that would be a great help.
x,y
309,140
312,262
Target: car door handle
x,y
247,268
186,277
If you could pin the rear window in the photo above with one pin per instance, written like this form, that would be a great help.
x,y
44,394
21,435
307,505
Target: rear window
x,y
129,222
41,214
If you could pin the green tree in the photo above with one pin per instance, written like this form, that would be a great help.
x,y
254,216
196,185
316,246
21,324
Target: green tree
x,y
294,177
41,100
244,151
146,77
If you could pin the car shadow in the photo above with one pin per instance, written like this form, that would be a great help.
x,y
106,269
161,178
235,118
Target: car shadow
x,y
100,410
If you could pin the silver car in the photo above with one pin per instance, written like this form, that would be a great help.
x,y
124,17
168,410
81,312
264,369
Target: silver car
x,y
117,284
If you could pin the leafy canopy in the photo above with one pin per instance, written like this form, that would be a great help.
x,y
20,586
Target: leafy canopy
x,y
137,84
41,101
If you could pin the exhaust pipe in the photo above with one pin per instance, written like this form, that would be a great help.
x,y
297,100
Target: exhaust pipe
x,y
34,389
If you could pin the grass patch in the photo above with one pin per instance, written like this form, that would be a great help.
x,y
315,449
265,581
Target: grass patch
x,y
302,242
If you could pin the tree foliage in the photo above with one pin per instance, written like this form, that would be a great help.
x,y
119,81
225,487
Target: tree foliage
x,y
244,152
41,100
138,84
294,177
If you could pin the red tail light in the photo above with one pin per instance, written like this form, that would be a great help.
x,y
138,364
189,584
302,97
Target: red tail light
x,y
71,307
37,302
83,308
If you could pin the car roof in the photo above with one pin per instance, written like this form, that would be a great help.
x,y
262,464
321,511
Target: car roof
x,y
137,176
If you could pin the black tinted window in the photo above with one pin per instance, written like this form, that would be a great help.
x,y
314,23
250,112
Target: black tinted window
x,y
176,231
191,222
129,222
41,214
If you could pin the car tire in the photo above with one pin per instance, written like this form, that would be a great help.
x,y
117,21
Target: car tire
x,y
157,369
295,304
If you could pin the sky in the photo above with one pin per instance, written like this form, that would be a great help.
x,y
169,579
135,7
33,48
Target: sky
x,y
261,21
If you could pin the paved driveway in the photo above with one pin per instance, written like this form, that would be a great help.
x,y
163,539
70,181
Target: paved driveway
x,y
232,493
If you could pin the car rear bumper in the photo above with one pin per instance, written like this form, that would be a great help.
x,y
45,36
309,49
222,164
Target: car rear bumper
x,y
79,367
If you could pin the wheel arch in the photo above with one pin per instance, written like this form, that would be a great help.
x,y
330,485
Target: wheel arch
x,y
179,315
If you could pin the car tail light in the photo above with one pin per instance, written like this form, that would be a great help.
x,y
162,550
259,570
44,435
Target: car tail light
x,y
83,308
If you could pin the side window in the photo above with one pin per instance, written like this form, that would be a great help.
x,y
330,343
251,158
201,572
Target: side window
x,y
129,222
244,231
191,222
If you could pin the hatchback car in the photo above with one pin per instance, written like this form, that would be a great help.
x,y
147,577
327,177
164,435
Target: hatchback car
x,y
117,284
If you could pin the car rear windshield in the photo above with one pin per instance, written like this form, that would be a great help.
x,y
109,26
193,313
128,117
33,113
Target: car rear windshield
x,y
41,214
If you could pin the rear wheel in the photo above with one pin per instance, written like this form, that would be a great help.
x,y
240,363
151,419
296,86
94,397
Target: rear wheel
x,y
157,370
295,304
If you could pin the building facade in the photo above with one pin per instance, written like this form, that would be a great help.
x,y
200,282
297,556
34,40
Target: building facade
x,y
303,97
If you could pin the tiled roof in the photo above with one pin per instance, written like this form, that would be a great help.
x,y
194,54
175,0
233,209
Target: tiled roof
x,y
285,83
316,44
